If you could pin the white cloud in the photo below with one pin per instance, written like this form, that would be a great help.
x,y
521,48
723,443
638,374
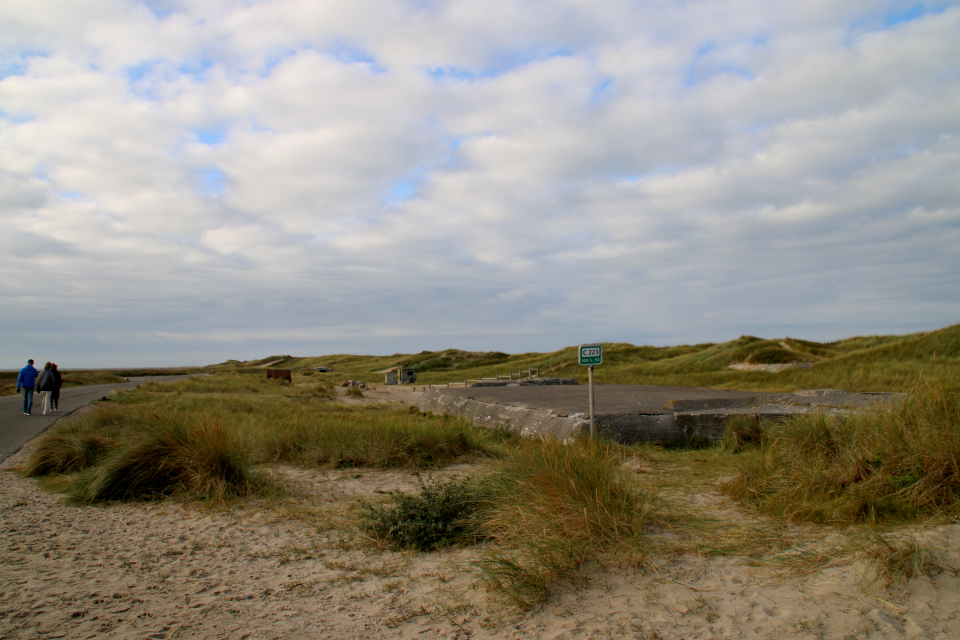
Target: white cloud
x,y
183,173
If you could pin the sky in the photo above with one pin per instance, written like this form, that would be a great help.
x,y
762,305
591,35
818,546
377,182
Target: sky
x,y
189,181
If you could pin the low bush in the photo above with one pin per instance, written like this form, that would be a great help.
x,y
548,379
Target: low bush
x,y
442,514
898,462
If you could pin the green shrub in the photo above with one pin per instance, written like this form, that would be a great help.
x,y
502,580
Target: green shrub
x,y
440,515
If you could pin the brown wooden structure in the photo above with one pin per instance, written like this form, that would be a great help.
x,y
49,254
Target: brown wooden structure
x,y
280,374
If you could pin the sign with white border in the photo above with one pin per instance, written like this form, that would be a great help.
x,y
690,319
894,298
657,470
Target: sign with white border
x,y
590,354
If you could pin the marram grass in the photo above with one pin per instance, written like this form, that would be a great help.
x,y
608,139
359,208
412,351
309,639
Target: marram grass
x,y
556,508
201,439
894,463
170,455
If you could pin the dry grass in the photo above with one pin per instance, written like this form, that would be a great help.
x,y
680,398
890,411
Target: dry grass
x,y
556,508
201,438
896,463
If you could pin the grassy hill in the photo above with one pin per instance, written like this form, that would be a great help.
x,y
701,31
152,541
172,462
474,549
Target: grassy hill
x,y
871,363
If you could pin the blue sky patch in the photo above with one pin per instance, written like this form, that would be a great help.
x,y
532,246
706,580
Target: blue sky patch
x,y
72,196
274,59
601,87
161,9
196,67
212,135
211,181
695,77
896,16
401,191
137,72
15,67
466,75
16,64
4,116
349,53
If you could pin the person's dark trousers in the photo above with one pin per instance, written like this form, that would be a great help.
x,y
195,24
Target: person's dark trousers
x,y
27,399
55,397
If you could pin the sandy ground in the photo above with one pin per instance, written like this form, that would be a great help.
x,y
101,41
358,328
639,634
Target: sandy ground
x,y
297,569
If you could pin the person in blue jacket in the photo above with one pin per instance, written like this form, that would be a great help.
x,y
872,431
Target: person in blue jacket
x,y
27,380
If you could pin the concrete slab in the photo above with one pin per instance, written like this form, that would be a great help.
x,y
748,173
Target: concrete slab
x,y
632,413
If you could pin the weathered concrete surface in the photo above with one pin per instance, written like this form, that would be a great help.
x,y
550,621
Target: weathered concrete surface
x,y
631,413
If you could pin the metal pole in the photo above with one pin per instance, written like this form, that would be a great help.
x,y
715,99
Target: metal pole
x,y
593,424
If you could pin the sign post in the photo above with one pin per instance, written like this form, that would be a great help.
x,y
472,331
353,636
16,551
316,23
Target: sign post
x,y
589,356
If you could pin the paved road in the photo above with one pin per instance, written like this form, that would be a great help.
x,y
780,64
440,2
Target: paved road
x,y
17,429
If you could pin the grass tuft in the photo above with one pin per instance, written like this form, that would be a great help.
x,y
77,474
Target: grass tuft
x,y
560,506
169,455
896,561
75,444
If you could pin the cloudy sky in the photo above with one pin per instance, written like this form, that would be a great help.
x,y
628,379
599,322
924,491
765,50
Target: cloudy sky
x,y
187,181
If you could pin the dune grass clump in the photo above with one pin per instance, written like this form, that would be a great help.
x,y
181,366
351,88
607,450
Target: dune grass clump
x,y
163,456
133,453
76,444
556,507
441,514
895,463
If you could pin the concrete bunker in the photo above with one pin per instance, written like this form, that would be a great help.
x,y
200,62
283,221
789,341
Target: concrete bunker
x,y
632,413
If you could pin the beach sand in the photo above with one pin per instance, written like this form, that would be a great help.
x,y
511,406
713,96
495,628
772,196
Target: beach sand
x,y
297,568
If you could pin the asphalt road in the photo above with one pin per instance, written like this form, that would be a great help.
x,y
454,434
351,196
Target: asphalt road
x,y
17,429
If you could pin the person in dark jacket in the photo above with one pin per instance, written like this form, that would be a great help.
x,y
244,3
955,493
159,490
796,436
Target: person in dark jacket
x,y
46,383
58,380
26,381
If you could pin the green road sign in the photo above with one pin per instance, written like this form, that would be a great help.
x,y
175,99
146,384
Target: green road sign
x,y
591,354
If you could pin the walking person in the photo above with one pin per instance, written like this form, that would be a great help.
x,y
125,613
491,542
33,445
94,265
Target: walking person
x,y
46,383
26,381
58,381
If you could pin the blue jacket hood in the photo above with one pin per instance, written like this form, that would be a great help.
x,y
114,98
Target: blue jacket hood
x,y
27,377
